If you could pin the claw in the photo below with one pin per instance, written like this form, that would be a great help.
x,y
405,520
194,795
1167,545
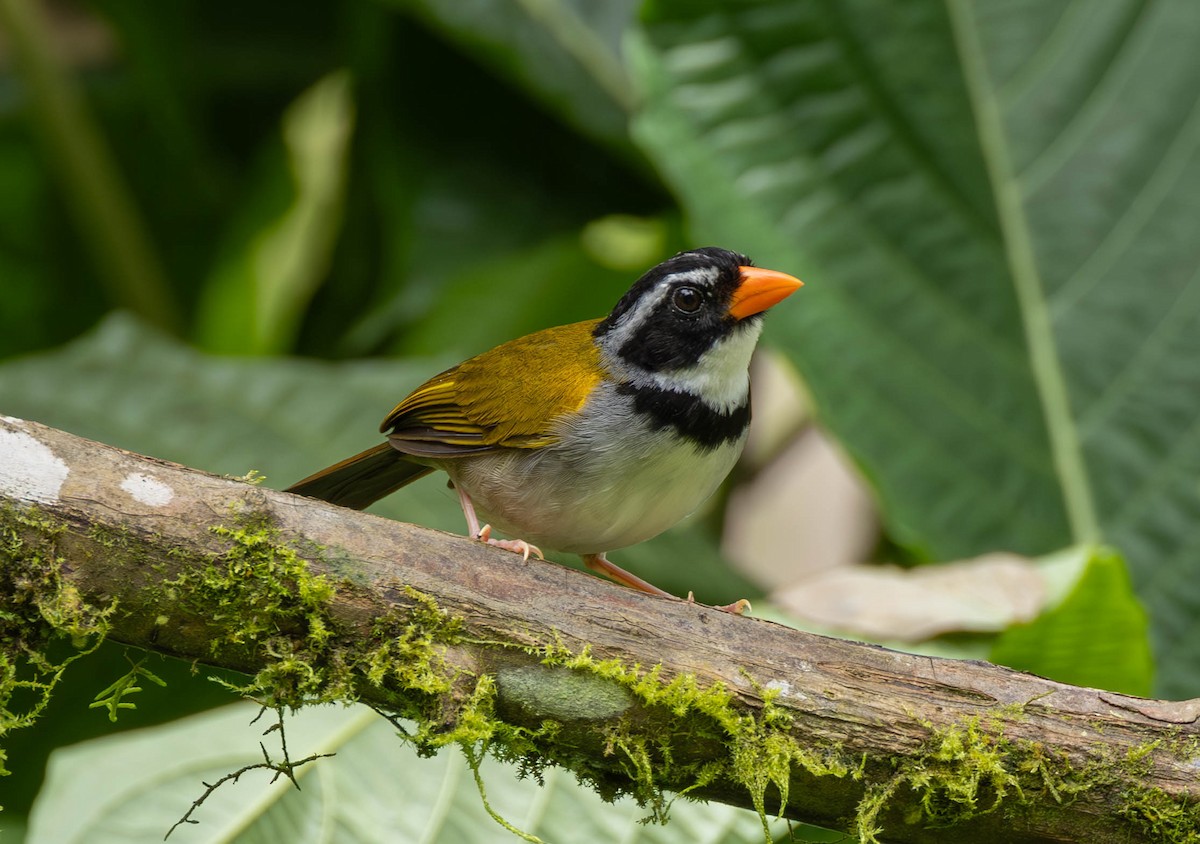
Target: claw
x,y
517,546
738,607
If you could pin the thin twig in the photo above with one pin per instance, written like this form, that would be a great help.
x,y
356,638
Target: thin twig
x,y
285,768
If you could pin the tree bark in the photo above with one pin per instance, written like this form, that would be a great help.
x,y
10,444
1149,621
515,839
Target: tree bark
x,y
924,749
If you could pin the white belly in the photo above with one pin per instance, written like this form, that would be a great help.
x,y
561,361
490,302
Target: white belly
x,y
584,498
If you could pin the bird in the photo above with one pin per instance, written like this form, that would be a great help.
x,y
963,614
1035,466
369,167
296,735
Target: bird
x,y
590,437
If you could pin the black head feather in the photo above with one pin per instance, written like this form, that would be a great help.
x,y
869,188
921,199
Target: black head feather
x,y
667,336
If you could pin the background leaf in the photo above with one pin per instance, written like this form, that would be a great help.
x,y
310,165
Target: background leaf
x,y
31,290
1003,331
527,290
281,254
566,53
764,116
68,720
1096,636
374,789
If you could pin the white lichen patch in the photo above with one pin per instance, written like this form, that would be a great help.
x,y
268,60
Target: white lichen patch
x,y
29,470
147,490
786,692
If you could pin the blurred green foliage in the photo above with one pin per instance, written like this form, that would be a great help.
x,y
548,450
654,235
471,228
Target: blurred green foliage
x,y
992,204
272,149
1095,636
336,801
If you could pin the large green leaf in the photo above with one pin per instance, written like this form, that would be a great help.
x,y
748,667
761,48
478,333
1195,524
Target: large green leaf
x,y
132,788
994,208
1095,636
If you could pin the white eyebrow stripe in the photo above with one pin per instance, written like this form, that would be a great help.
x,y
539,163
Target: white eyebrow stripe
x,y
633,318
699,275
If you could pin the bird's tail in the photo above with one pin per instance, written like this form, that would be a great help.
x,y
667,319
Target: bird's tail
x,y
363,479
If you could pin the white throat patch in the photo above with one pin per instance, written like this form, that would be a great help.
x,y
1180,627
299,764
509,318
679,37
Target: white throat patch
x,y
721,378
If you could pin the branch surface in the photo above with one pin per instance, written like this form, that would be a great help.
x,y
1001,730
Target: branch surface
x,y
548,664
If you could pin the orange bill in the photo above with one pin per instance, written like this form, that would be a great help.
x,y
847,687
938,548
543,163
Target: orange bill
x,y
759,290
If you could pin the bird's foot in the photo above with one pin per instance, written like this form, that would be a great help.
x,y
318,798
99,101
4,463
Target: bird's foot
x,y
601,565
739,607
517,546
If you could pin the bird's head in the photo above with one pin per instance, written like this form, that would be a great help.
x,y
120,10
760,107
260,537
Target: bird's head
x,y
699,312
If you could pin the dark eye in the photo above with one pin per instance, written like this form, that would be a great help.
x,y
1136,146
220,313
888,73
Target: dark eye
x,y
687,299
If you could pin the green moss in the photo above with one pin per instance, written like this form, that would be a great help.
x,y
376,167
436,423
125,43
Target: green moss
x,y
408,648
114,698
760,752
964,772
256,587
971,768
45,625
262,599
1162,817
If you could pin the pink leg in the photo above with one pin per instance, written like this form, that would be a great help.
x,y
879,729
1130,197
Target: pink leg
x,y
601,565
484,534
469,511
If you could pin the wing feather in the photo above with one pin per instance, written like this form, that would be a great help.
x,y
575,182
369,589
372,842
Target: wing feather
x,y
508,397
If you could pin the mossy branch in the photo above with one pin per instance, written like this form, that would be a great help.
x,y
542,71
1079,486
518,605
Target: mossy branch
x,y
543,665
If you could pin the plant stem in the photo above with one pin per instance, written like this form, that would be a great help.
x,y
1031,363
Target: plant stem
x,y
1061,424
104,210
